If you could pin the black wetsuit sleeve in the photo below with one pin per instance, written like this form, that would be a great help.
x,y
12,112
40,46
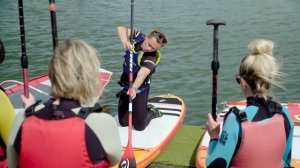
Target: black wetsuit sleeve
x,y
17,142
3,148
148,61
94,146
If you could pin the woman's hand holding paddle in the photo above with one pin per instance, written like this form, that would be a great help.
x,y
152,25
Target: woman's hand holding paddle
x,y
28,101
213,126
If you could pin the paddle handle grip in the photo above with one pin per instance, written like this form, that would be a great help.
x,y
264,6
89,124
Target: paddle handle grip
x,y
52,9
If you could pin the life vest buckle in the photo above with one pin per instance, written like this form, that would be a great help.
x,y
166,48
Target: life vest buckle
x,y
241,115
83,113
31,109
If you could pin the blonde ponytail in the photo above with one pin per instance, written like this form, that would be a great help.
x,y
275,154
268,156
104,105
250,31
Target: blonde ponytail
x,y
260,69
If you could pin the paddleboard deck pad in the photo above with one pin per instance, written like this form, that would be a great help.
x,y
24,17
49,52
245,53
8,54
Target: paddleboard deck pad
x,y
149,143
294,109
39,88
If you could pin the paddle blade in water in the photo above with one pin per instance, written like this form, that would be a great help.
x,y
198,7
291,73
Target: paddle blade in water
x,y
128,160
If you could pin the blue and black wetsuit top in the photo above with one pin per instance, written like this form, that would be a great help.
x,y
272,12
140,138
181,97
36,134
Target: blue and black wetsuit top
x,y
258,115
140,59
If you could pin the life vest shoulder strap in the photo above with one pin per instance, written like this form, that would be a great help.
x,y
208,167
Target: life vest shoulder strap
x,y
84,112
141,54
138,36
241,115
158,56
274,108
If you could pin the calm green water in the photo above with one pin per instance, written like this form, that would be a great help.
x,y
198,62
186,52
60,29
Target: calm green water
x,y
185,66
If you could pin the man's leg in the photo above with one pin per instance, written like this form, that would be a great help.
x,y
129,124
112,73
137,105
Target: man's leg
x,y
141,116
123,110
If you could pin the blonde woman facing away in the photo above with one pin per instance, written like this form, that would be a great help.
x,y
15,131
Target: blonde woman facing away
x,y
67,130
261,134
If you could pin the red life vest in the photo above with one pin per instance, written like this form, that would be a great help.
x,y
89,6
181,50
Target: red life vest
x,y
3,161
262,144
55,143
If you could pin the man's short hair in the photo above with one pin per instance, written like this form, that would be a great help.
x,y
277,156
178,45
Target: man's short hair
x,y
160,37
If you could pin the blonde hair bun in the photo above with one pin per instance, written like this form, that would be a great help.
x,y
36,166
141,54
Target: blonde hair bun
x,y
261,47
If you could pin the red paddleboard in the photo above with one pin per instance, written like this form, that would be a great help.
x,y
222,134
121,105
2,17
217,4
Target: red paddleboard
x,y
39,87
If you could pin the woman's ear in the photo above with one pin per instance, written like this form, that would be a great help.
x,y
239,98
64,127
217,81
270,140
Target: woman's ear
x,y
244,84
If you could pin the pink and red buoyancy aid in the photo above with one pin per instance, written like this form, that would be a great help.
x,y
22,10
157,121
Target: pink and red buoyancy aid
x,y
253,135
55,143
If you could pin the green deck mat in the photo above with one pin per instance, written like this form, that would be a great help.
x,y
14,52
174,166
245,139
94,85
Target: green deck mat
x,y
181,151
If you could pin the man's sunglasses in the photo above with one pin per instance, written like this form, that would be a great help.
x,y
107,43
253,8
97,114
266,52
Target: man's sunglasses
x,y
162,38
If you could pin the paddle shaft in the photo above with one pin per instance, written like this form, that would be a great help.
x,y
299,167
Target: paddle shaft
x,y
131,59
128,159
2,52
24,58
52,9
130,77
215,64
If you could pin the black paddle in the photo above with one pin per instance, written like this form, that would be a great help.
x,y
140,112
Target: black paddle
x,y
24,58
2,56
215,63
2,52
128,159
52,9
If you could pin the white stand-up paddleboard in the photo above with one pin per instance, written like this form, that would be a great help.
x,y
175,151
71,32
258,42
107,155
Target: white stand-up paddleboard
x,y
149,143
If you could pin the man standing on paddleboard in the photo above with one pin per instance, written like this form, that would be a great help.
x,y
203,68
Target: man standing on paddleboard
x,y
146,56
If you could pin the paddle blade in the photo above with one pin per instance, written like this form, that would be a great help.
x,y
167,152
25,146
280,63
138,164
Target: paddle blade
x,y
128,159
